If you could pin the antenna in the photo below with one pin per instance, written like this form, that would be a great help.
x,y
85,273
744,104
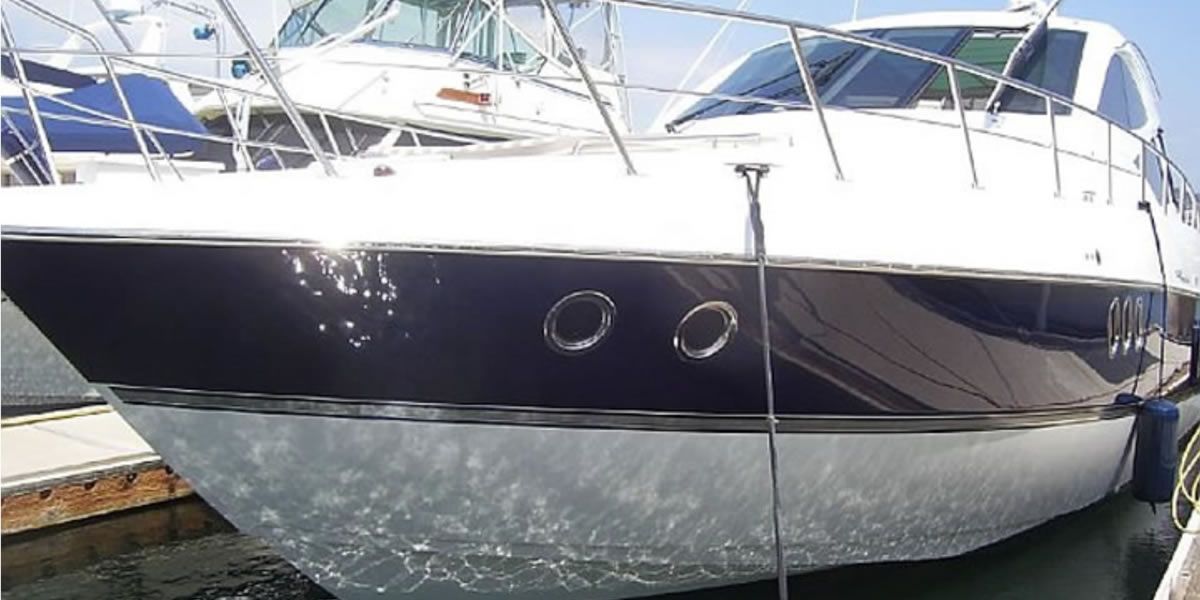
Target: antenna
x,y
854,14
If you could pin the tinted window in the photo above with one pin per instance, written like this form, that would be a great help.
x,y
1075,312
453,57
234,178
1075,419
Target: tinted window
x,y
989,50
852,76
1154,174
1054,66
1113,103
846,74
880,79
1120,100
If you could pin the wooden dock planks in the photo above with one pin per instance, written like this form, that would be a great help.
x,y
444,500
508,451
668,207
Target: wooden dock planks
x,y
68,466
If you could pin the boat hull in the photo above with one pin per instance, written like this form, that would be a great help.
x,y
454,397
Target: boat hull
x,y
366,504
399,420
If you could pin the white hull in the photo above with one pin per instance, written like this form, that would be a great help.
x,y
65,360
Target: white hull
x,y
374,508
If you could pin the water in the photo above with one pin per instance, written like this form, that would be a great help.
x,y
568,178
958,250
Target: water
x,y
1116,549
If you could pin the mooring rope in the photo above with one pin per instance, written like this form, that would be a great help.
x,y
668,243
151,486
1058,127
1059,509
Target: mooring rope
x,y
753,175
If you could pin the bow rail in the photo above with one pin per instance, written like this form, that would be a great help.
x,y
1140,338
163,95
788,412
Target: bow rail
x,y
1176,187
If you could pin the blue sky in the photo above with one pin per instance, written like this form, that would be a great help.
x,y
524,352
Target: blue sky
x,y
661,47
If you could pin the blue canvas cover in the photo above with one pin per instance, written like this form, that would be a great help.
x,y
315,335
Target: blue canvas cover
x,y
151,101
37,72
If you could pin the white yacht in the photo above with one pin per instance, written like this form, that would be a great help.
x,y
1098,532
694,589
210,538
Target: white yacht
x,y
430,73
883,292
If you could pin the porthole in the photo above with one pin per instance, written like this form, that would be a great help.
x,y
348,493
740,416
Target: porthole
x,y
1128,326
579,321
1139,328
706,330
1114,328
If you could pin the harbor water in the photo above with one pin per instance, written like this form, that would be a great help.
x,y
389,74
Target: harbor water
x,y
1116,549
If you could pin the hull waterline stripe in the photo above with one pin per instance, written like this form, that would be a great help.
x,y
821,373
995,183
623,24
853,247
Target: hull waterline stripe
x,y
55,235
393,410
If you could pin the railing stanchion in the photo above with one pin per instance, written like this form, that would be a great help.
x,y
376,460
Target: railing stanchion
x,y
1108,163
1142,168
814,98
285,101
34,114
1054,147
329,134
235,130
956,91
569,42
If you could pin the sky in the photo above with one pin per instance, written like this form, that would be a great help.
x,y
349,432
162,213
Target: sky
x,y
660,48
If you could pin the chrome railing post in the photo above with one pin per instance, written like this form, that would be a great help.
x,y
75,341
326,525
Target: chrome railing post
x,y
956,91
289,107
565,34
1108,162
1054,147
1142,168
814,99
329,135
106,61
239,146
35,114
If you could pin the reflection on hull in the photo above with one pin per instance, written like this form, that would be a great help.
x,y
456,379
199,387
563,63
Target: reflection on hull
x,y
444,510
469,329
398,419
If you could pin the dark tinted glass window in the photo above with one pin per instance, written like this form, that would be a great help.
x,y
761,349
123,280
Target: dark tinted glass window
x,y
1154,174
852,76
1054,66
846,74
882,79
1113,103
1120,100
989,50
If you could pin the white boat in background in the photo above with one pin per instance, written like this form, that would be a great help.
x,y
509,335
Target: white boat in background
x,y
430,73
882,292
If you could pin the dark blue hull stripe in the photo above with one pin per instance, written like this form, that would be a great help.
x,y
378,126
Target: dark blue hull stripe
x,y
469,330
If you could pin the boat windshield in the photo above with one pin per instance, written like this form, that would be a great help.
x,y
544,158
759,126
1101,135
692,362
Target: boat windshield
x,y
512,35
850,75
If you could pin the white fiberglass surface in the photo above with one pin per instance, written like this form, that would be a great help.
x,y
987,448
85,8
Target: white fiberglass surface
x,y
906,201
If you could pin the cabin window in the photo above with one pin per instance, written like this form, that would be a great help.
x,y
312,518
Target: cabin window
x,y
1154,174
1120,99
1189,207
850,75
312,21
1054,66
989,50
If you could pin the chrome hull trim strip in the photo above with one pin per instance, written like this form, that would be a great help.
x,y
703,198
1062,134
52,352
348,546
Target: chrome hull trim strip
x,y
397,410
778,262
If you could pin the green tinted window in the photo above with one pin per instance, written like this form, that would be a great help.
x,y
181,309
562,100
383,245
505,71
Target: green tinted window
x,y
987,50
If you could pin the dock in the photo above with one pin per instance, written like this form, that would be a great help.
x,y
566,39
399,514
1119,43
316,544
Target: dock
x,y
70,465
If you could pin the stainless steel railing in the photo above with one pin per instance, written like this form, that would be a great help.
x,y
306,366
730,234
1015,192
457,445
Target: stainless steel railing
x,y
954,67
1182,194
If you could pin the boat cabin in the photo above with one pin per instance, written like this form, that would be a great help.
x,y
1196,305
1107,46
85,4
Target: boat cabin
x,y
512,35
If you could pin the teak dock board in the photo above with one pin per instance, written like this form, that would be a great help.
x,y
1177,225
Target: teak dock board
x,y
67,466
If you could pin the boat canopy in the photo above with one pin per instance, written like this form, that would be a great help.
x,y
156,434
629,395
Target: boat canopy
x,y
87,128
850,75
38,72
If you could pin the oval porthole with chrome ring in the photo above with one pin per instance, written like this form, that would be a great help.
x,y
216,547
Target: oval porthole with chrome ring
x,y
1114,327
579,321
1140,328
706,330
